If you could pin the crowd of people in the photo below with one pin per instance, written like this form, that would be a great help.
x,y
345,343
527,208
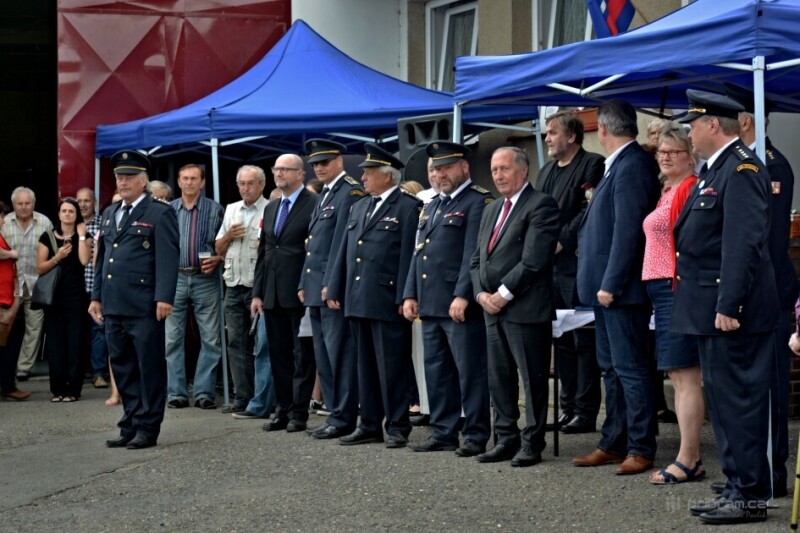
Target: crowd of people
x,y
323,287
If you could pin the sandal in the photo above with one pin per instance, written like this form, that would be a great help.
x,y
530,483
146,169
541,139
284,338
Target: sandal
x,y
70,399
114,400
56,399
695,474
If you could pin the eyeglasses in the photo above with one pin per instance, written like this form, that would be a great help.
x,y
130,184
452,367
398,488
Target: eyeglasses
x,y
671,153
276,170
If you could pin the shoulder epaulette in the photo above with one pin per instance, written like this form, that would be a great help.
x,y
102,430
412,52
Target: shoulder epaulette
x,y
740,152
770,155
352,181
409,194
480,189
357,192
161,200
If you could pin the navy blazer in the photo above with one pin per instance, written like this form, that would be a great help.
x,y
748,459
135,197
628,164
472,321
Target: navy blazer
x,y
610,236
522,258
440,268
137,266
325,232
280,259
721,248
586,168
373,260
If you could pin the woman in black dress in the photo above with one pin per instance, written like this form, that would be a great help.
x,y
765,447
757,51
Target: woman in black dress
x,y
64,321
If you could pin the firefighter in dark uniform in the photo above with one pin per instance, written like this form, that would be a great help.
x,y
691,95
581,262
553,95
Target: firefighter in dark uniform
x,y
337,363
134,288
439,291
726,296
367,281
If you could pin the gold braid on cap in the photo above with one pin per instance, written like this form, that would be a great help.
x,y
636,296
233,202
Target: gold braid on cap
x,y
381,161
140,169
447,156
325,152
701,110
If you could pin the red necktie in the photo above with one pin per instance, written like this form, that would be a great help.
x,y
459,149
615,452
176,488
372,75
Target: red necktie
x,y
496,232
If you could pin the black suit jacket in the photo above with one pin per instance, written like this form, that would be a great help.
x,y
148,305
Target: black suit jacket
x,y
522,258
137,266
721,245
569,192
280,259
372,264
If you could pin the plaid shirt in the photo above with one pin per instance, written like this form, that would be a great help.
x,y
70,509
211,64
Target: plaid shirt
x,y
92,227
25,243
198,228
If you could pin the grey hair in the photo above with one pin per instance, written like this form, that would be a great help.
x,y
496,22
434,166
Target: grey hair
x,y
252,168
87,189
753,118
393,172
20,189
619,117
729,126
520,157
156,184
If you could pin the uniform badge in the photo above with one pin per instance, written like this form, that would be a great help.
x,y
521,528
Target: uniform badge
x,y
776,187
107,222
747,166
146,245
701,184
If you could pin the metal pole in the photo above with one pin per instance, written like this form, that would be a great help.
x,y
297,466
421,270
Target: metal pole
x,y
457,130
97,180
223,343
215,167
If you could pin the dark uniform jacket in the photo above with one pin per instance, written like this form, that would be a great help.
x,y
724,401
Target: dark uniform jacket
x,y
780,172
721,248
522,258
610,236
280,259
137,266
373,261
585,168
325,233
440,268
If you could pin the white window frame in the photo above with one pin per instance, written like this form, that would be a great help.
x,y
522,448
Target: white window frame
x,y
437,44
537,23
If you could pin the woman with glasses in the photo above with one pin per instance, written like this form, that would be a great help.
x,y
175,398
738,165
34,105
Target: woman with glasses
x,y
677,354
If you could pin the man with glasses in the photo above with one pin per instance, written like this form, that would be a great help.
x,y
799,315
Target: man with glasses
x,y
134,288
337,363
281,253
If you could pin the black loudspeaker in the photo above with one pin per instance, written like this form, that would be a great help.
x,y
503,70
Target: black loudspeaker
x,y
417,167
416,132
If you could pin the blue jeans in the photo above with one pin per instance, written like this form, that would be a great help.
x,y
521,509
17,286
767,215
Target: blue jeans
x,y
263,401
630,425
98,351
206,298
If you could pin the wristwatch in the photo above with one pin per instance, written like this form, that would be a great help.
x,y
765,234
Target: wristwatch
x,y
82,238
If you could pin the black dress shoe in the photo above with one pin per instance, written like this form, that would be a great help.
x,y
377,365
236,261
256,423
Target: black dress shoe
x,y
420,420
470,448
323,427
140,442
433,445
360,436
119,442
395,440
563,419
500,452
579,424
276,424
707,506
736,513
526,457
205,403
330,432
235,408
178,403
295,425
718,486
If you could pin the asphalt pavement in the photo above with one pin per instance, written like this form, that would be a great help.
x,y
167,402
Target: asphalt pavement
x,y
211,472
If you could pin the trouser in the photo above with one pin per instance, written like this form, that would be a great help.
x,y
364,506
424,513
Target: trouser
x,y
64,327
240,342
34,318
293,368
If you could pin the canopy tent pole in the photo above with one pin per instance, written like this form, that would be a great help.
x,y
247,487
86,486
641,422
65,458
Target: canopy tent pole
x,y
760,108
223,343
214,143
457,122
537,131
97,180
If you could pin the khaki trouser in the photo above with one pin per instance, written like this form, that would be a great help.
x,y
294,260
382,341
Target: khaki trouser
x,y
33,333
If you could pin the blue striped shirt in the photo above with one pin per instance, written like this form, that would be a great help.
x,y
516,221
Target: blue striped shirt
x,y
198,228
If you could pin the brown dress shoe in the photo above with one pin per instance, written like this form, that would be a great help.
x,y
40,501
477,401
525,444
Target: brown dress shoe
x,y
634,464
596,458
17,395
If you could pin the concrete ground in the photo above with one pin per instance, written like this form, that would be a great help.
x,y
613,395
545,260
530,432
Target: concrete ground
x,y
211,472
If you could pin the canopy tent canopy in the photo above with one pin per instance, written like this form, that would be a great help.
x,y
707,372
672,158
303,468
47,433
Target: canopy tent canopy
x,y
702,45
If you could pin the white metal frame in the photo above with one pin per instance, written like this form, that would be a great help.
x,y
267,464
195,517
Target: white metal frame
x,y
431,39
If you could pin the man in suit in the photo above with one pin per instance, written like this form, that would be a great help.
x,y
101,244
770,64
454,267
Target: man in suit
x,y
610,254
512,279
726,296
367,281
566,178
281,253
439,291
782,178
337,361
134,288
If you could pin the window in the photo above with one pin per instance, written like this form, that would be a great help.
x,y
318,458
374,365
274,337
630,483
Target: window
x,y
451,31
559,22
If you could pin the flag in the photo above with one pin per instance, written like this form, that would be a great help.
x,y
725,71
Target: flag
x,y
610,17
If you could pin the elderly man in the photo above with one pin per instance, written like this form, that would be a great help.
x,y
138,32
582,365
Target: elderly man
x,y
611,251
281,253
22,230
237,242
566,178
439,291
160,190
337,362
367,281
726,296
199,220
98,351
134,287
512,279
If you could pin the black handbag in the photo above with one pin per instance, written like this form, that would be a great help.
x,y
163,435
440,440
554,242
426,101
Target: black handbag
x,y
44,292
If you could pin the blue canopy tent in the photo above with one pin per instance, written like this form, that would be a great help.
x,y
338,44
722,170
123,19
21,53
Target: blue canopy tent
x,y
303,86
750,43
